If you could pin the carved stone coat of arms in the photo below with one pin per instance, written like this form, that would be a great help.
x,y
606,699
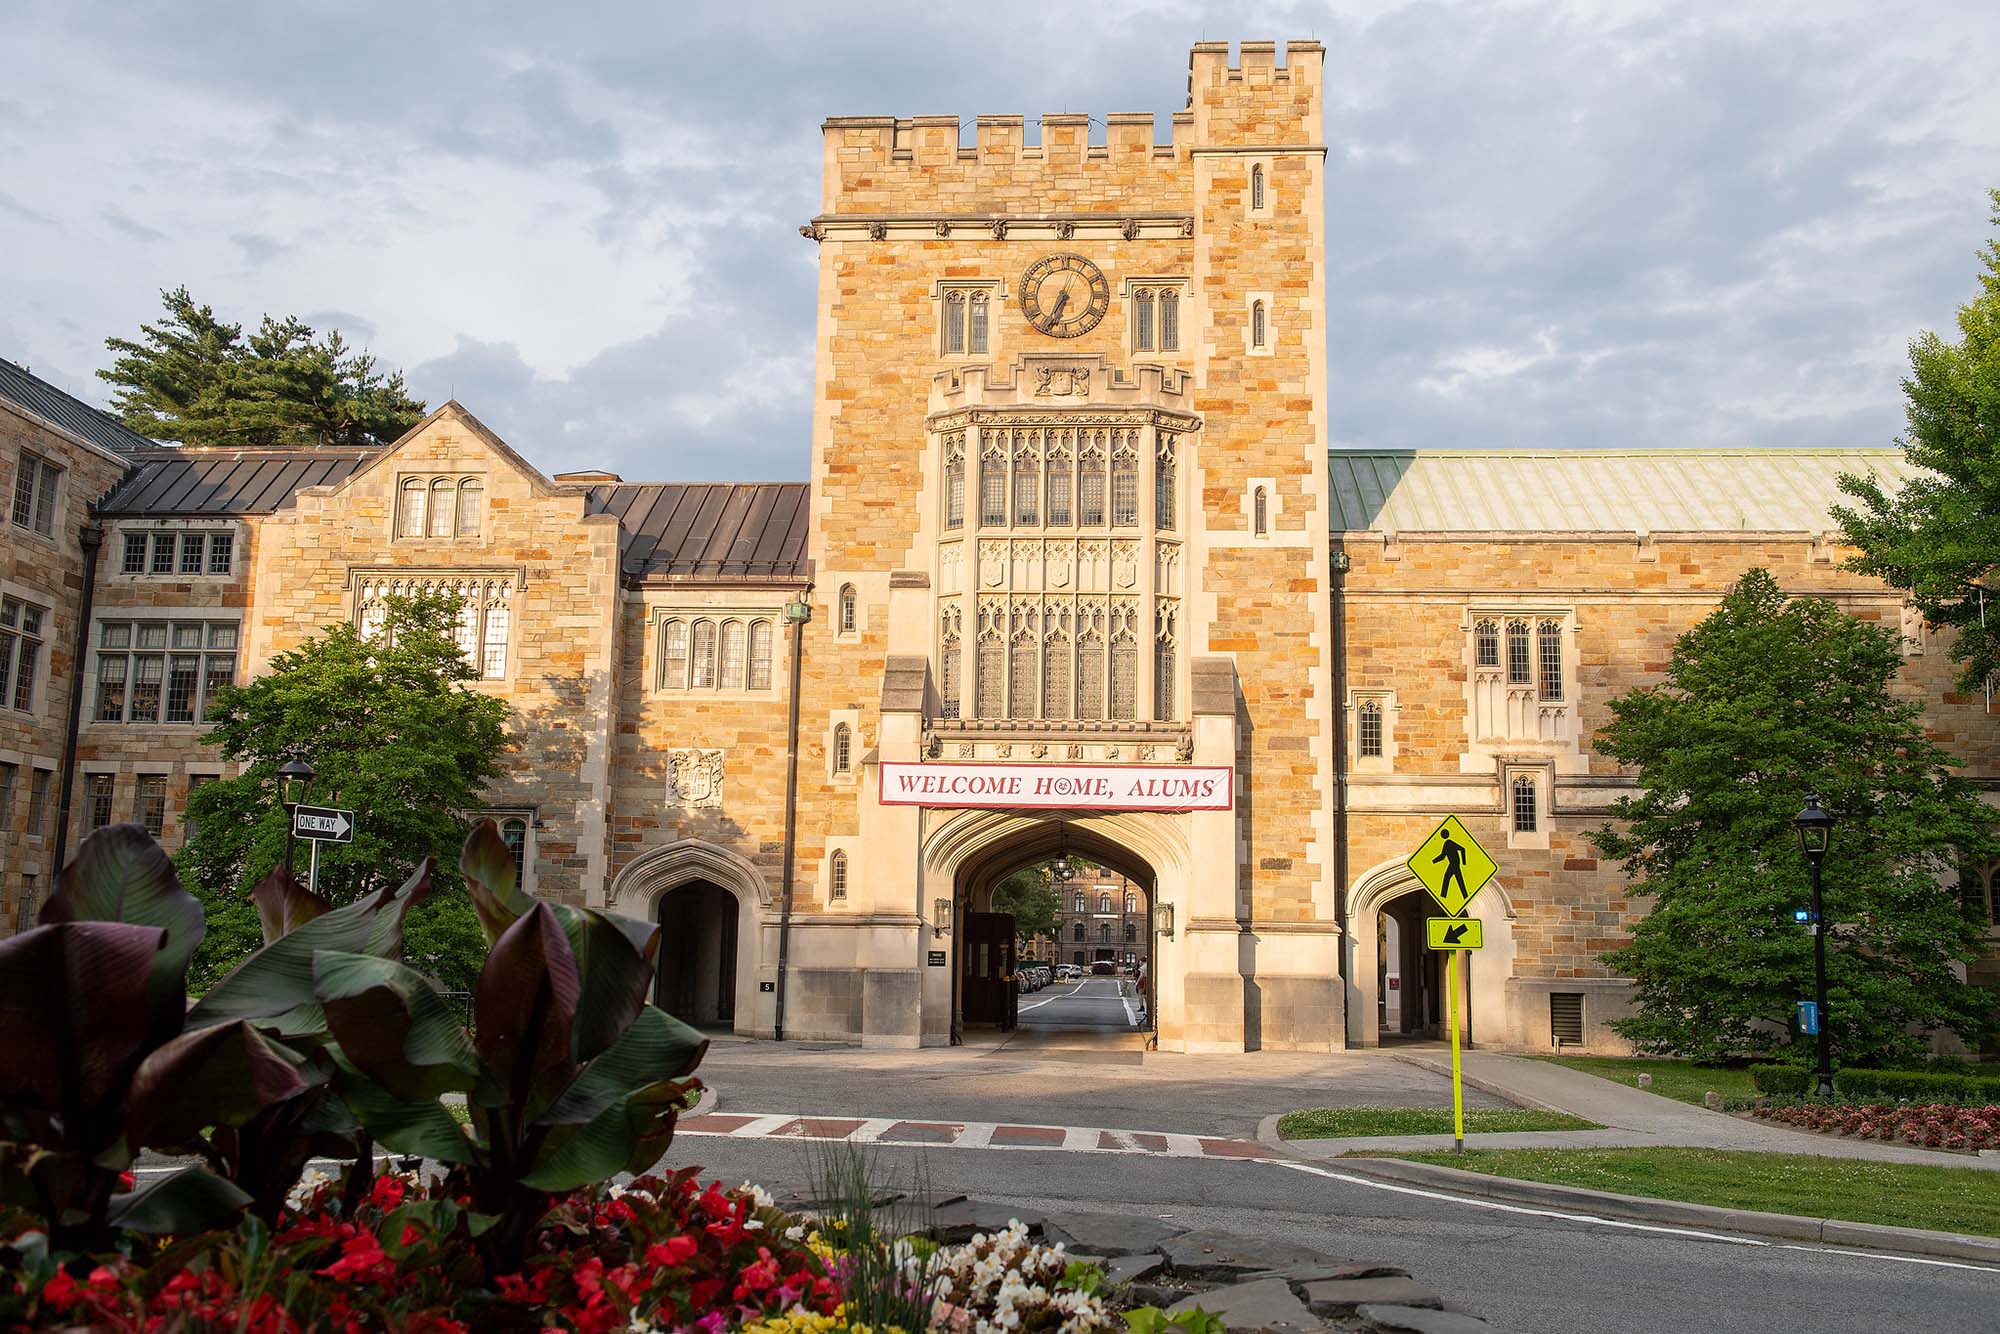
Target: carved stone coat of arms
x,y
694,778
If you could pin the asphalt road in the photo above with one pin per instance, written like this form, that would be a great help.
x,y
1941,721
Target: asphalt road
x,y
1527,1271
1096,1005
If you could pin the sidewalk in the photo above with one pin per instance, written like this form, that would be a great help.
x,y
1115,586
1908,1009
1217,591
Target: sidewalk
x,y
1632,1118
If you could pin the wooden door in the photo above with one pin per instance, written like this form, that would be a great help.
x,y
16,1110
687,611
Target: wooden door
x,y
989,967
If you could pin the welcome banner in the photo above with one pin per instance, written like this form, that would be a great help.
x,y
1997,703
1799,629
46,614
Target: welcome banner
x,y
1095,787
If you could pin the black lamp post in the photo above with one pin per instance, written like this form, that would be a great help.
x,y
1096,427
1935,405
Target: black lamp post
x,y
293,776
1815,826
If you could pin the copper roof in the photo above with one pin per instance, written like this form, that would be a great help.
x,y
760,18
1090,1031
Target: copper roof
x,y
25,389
1598,490
174,483
704,530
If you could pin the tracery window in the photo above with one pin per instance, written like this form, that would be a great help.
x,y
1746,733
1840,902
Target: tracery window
x,y
846,619
481,627
976,312
1519,673
954,323
706,654
1170,320
954,481
1524,804
843,748
1548,642
837,876
1156,318
441,506
1064,626
966,315
1142,320
162,671
1368,727
1486,643
514,833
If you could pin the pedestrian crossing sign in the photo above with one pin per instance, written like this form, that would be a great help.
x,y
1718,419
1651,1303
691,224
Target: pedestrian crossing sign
x,y
1452,866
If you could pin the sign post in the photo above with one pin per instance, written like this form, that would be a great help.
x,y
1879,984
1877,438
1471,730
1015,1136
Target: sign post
x,y
1452,866
317,825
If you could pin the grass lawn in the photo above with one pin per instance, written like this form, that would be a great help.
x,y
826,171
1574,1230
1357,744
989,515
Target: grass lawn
x,y
1683,1081
1949,1199
1340,1122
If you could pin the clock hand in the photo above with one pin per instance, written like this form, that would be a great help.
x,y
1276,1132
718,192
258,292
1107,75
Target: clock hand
x,y
1062,299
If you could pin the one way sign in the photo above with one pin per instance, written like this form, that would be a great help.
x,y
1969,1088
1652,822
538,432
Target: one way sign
x,y
1455,933
328,824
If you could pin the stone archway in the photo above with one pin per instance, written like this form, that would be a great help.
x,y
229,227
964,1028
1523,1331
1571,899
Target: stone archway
x,y
970,852
1386,889
687,886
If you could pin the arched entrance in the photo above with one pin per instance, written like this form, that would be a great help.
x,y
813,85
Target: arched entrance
x,y
698,951
980,849
1396,984
708,902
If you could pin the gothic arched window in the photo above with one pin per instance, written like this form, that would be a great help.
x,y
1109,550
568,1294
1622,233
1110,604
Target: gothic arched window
x,y
1368,723
976,334
1486,644
674,656
836,877
471,499
444,508
760,655
847,615
733,655
1257,187
702,676
1548,644
412,517
1142,321
1170,321
1260,518
1524,804
1256,324
954,482
843,747
1519,672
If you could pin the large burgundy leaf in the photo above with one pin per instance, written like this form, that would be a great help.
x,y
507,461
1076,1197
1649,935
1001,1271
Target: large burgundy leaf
x,y
211,1076
487,864
525,1008
74,1014
392,1025
121,875
283,904
613,961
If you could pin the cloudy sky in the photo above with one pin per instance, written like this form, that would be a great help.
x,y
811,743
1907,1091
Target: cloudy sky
x,y
1553,224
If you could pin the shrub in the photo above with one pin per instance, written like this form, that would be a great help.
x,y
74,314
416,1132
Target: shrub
x,y
1916,1086
1781,1081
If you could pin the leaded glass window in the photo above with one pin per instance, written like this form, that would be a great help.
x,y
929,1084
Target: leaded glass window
x,y
1369,729
1486,644
1524,805
1548,642
1519,673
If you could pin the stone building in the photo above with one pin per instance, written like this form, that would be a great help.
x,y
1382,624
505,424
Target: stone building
x,y
1102,918
1075,570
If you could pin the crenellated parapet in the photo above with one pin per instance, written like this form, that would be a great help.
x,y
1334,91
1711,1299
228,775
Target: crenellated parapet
x,y
877,169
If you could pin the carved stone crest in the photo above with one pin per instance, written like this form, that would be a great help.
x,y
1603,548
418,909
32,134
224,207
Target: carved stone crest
x,y
1038,751
694,778
966,750
1075,751
1065,230
1062,381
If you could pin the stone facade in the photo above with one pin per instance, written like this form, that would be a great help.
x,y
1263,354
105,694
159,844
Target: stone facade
x,y
1106,535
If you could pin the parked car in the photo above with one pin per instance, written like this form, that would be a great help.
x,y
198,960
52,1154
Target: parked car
x,y
1104,968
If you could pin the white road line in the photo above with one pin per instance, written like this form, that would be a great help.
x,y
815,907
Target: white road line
x,y
760,1127
1076,1138
1620,1223
871,1130
976,1135
1183,1146
1131,1017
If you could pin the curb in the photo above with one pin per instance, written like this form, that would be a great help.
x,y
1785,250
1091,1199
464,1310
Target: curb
x,y
1676,1213
1515,1096
706,1105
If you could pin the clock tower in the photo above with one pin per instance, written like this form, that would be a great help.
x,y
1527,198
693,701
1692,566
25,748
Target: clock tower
x,y
1069,508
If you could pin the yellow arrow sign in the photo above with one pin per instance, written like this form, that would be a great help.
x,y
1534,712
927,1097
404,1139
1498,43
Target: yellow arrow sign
x,y
1455,933
1452,866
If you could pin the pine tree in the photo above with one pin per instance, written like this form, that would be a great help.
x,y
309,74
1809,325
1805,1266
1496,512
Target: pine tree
x,y
1938,539
393,732
195,379
1765,701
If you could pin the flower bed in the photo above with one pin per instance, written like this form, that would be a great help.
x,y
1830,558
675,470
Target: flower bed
x,y
660,1254
1930,1125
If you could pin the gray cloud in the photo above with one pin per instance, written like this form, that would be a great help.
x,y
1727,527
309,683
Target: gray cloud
x,y
1579,224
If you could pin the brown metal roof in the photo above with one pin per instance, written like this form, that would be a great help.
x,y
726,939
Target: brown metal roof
x,y
24,388
214,482
709,529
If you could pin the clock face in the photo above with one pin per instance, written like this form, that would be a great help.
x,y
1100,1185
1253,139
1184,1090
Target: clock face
x,y
1064,295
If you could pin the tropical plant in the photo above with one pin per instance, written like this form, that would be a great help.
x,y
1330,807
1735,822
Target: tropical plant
x,y
570,1076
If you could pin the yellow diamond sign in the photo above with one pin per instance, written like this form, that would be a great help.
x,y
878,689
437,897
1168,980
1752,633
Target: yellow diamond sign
x,y
1452,866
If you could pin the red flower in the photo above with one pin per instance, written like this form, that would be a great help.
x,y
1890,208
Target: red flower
x,y
702,1295
410,1236
528,1292
388,1192
673,1251
62,1291
361,1260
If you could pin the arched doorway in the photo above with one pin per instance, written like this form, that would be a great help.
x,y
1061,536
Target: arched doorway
x,y
1104,928
1409,987
696,981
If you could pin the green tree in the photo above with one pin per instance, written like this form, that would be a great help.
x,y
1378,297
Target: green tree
x,y
1767,700
1032,898
1938,538
392,731
196,379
